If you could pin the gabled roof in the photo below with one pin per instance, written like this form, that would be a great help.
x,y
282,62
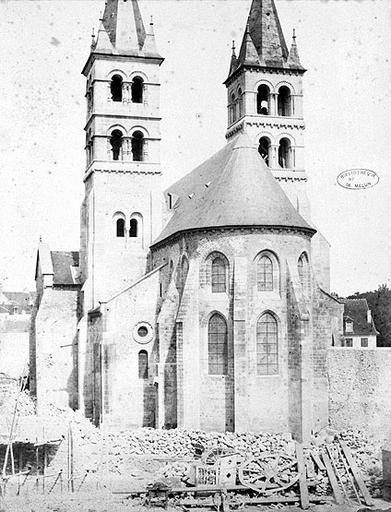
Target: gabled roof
x,y
356,310
263,42
233,188
65,266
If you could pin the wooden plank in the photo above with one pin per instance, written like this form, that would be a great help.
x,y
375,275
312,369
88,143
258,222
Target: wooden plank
x,y
356,473
304,498
317,460
333,479
336,472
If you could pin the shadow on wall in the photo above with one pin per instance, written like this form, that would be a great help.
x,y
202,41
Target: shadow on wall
x,y
72,383
170,385
27,457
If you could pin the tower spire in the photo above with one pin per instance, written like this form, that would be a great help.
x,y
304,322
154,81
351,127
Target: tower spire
x,y
149,46
263,41
294,59
234,59
124,25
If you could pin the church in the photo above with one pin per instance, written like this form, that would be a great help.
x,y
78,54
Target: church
x,y
206,305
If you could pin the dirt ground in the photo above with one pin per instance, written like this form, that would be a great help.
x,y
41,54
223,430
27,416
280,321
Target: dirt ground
x,y
106,502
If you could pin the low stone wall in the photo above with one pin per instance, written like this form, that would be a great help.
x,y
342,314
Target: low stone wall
x,y
360,389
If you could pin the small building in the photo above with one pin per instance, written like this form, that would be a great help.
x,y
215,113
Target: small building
x,y
15,314
359,329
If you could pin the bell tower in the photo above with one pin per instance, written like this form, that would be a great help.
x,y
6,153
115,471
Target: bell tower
x,y
265,99
121,212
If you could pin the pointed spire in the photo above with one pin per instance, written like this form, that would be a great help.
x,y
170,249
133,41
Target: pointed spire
x,y
266,31
102,42
294,59
93,42
248,53
150,42
124,25
234,59
263,41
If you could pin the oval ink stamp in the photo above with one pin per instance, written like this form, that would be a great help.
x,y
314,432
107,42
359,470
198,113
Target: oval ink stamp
x,y
357,179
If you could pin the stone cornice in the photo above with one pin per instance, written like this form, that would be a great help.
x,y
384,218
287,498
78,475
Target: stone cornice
x,y
306,232
263,70
146,171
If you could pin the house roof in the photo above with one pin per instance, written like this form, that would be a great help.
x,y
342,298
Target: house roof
x,y
63,265
263,43
21,300
356,310
233,188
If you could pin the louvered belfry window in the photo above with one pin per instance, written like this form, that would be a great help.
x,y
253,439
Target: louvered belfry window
x,y
217,345
265,274
219,277
267,345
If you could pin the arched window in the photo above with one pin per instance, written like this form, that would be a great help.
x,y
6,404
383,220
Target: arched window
x,y
116,140
264,149
265,274
217,345
143,364
133,228
267,345
284,101
240,102
303,269
116,88
138,146
120,225
263,100
137,90
219,275
284,153
233,107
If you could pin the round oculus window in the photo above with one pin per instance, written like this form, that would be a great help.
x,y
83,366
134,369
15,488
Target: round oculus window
x,y
143,332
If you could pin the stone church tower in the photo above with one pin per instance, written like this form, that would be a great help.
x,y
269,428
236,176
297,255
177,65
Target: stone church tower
x,y
265,99
121,213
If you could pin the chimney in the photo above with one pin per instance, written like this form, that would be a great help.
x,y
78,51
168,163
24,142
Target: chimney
x,y
369,316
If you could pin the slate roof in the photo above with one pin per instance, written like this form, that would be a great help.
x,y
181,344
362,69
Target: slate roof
x,y
356,310
263,43
62,262
232,188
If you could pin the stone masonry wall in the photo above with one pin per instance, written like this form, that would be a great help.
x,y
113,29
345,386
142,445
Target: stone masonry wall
x,y
360,389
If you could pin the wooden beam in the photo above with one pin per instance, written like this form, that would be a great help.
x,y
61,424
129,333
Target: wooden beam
x,y
333,479
356,473
304,498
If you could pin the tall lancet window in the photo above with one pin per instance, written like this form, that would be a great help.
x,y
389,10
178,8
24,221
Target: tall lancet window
x,y
217,345
267,345
116,141
116,88
263,100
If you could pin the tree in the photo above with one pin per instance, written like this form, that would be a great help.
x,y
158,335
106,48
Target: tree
x,y
379,302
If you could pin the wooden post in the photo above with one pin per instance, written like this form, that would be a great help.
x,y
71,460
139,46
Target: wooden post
x,y
304,497
356,473
333,479
70,459
37,465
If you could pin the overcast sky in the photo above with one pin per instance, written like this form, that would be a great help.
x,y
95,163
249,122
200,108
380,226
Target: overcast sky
x,y
345,45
